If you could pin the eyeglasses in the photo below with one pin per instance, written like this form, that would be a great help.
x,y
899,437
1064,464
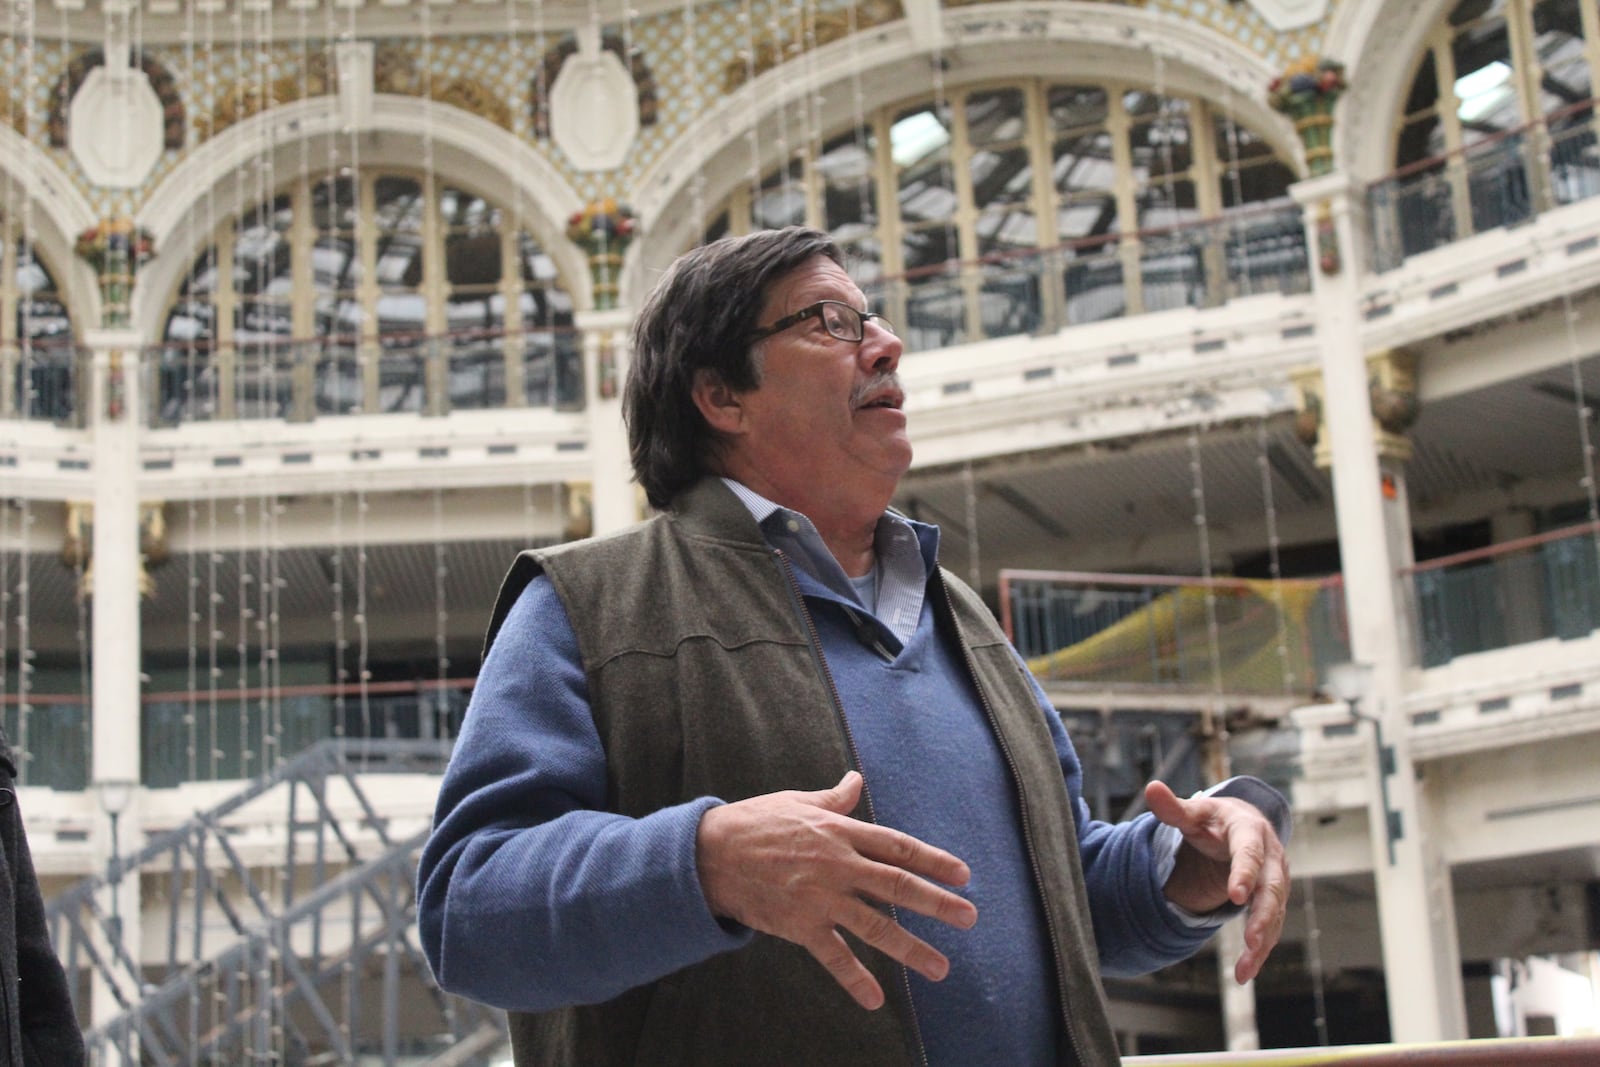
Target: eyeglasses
x,y
838,318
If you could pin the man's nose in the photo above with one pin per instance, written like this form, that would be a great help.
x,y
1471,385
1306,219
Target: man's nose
x,y
881,349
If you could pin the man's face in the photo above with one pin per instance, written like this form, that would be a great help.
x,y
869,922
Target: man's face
x,y
827,415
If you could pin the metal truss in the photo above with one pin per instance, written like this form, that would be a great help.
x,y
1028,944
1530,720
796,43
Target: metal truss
x,y
290,919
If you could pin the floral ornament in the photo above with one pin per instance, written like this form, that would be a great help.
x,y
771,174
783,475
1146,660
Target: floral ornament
x,y
115,249
603,229
602,226
1307,92
1306,86
114,244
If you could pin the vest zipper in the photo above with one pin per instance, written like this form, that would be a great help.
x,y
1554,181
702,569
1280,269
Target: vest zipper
x,y
1022,813
797,601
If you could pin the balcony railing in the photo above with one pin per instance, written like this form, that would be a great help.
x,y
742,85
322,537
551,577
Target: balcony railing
x,y
1203,265
230,734
39,380
1525,590
1503,1052
347,375
1227,635
1504,180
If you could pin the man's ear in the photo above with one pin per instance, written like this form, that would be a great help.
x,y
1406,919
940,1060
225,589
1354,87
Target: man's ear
x,y
720,405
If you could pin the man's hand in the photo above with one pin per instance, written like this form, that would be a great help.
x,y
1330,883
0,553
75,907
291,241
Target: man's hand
x,y
1230,854
797,866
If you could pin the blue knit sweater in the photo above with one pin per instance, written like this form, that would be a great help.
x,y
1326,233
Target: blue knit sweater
x,y
532,897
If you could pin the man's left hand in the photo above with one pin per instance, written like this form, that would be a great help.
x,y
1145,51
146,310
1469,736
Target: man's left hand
x,y
1230,854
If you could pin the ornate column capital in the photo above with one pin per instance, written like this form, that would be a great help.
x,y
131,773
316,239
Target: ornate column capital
x,y
1391,397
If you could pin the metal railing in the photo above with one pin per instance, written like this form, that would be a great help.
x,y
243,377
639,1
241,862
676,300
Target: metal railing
x,y
42,380
234,733
290,926
345,375
228,734
1226,635
1529,589
1503,1052
1261,249
1252,250
1504,180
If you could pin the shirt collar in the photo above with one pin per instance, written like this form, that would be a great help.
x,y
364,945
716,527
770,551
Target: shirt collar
x,y
906,552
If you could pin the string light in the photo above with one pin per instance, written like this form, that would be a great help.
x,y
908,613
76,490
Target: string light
x,y
213,643
191,747
1274,564
697,108
441,702
1203,533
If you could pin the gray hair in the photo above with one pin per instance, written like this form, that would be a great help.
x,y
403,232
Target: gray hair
x,y
700,316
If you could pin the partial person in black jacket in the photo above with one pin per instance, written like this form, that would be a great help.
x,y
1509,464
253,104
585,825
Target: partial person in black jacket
x,y
41,1029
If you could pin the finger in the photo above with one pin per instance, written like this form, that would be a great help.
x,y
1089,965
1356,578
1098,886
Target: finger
x,y
879,929
898,886
833,953
1269,909
899,849
1165,805
1248,856
841,798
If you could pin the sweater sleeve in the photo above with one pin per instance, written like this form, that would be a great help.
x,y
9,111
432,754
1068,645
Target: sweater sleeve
x,y
1136,929
531,896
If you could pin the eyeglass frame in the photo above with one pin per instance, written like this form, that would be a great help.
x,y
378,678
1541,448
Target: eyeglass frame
x,y
814,311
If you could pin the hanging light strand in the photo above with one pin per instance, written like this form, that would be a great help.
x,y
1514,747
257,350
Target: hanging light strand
x,y
1274,563
1203,533
441,620
191,713
213,643
697,109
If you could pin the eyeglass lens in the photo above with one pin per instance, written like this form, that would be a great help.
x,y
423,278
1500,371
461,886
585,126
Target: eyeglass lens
x,y
846,323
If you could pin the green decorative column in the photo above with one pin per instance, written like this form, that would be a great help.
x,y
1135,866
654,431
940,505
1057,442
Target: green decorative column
x,y
116,249
1307,93
604,229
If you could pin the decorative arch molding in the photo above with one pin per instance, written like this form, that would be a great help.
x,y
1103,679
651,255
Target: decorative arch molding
x,y
1378,42
466,149
1007,40
66,213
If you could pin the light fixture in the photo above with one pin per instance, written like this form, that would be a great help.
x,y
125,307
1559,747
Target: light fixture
x,y
115,795
1350,683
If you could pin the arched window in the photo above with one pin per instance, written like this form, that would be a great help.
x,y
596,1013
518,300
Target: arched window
x,y
385,293
1021,207
38,358
1498,123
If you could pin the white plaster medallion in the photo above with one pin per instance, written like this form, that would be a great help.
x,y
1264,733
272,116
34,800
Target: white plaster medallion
x,y
114,128
594,107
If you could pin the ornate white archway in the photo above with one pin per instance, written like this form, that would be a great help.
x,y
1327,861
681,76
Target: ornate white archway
x,y
1378,42
465,148
890,63
64,213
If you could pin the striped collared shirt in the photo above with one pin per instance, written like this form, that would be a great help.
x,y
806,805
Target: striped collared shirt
x,y
899,572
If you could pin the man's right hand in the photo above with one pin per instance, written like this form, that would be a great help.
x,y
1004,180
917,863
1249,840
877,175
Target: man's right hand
x,y
795,865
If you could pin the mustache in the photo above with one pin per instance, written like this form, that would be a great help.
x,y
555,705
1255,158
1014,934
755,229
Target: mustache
x,y
874,384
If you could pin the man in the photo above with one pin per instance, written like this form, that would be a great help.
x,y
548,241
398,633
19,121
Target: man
x,y
755,782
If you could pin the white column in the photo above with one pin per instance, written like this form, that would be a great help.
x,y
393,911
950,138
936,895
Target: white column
x,y
605,366
114,418
1416,910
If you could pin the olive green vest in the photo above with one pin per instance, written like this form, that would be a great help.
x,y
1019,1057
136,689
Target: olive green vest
x,y
705,679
